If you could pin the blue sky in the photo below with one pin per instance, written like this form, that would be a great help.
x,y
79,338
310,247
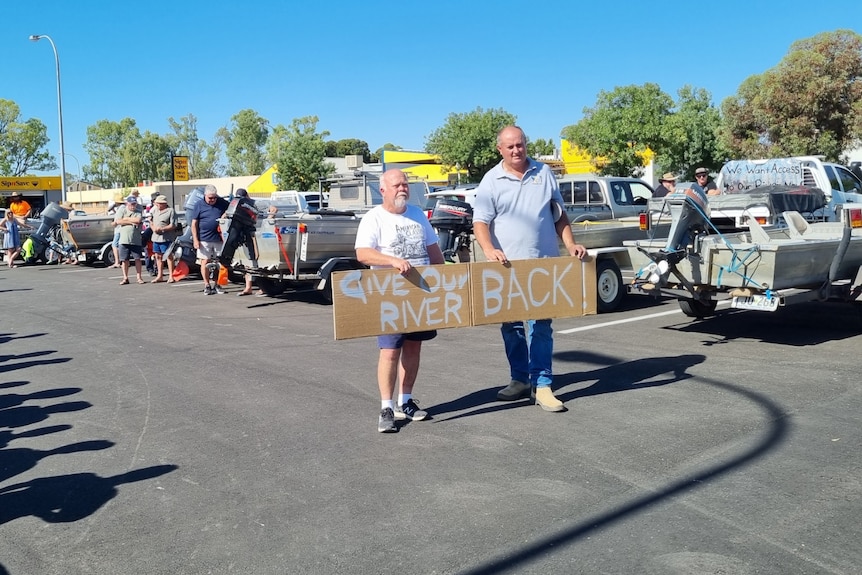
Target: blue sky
x,y
380,71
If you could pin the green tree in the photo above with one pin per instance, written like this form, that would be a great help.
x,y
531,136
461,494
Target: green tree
x,y
469,140
691,135
810,103
22,143
299,149
377,156
146,158
621,127
184,141
541,147
245,143
107,144
348,147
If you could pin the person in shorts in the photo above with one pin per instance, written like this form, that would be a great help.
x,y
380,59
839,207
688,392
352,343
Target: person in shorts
x,y
204,220
163,222
396,227
128,218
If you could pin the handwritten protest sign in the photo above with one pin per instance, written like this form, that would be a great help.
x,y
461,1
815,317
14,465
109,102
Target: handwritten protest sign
x,y
376,302
381,301
740,176
544,288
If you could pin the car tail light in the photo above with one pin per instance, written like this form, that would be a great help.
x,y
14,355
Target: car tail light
x,y
643,221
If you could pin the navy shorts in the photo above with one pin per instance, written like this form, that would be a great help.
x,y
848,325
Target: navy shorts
x,y
396,340
130,251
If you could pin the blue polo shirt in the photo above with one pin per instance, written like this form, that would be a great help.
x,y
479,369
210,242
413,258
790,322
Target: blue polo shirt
x,y
208,217
518,211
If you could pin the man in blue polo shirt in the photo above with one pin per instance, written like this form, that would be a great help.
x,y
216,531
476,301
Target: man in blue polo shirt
x,y
208,242
514,219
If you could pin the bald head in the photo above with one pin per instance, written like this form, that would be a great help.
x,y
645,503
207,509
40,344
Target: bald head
x,y
512,145
395,191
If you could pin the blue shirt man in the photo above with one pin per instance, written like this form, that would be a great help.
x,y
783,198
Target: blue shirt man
x,y
204,218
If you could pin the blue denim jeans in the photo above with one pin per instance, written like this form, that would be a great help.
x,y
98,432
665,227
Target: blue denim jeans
x,y
529,353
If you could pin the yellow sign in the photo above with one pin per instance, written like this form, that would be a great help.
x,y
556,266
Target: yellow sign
x,y
181,168
381,301
30,183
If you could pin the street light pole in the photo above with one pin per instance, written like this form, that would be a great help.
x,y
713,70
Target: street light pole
x,y
36,38
78,181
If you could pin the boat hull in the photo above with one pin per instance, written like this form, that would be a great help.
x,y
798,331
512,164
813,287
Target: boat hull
x,y
607,233
781,262
88,232
281,247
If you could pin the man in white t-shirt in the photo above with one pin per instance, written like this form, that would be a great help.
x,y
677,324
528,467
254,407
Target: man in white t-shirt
x,y
397,234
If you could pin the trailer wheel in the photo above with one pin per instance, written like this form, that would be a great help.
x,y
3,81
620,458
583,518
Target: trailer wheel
x,y
326,293
271,286
696,308
235,276
41,253
108,258
609,284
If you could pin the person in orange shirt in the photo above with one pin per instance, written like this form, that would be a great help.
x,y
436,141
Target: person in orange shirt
x,y
19,207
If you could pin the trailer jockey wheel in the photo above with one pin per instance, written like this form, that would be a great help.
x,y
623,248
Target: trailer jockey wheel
x,y
212,270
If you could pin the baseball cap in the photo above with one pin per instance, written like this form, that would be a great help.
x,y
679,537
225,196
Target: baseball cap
x,y
132,199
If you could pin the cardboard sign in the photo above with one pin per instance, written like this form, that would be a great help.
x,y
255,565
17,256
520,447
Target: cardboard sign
x,y
382,301
544,288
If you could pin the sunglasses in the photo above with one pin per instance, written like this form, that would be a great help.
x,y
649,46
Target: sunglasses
x,y
700,175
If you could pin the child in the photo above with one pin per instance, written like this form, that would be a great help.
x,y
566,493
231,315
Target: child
x,y
12,238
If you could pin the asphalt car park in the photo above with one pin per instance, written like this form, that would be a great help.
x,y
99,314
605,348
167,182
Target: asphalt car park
x,y
152,429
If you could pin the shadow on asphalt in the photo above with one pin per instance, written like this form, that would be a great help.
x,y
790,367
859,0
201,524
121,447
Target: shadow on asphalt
x,y
61,498
797,325
312,296
776,430
66,498
621,376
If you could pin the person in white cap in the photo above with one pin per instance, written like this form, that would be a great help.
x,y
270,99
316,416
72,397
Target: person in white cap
x,y
701,175
164,225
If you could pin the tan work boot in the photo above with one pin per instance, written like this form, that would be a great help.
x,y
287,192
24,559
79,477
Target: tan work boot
x,y
546,400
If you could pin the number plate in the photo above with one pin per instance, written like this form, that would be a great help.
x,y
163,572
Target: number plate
x,y
756,302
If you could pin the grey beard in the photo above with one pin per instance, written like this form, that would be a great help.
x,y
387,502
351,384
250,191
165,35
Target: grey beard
x,y
400,203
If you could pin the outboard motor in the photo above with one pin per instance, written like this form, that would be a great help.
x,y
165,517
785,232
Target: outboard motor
x,y
689,211
242,221
44,236
453,221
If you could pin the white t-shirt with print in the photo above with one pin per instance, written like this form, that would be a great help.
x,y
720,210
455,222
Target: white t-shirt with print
x,y
404,236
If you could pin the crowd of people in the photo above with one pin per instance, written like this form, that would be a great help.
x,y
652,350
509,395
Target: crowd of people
x,y
513,219
158,226
142,237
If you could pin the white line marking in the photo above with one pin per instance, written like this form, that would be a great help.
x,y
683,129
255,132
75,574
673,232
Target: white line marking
x,y
629,320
